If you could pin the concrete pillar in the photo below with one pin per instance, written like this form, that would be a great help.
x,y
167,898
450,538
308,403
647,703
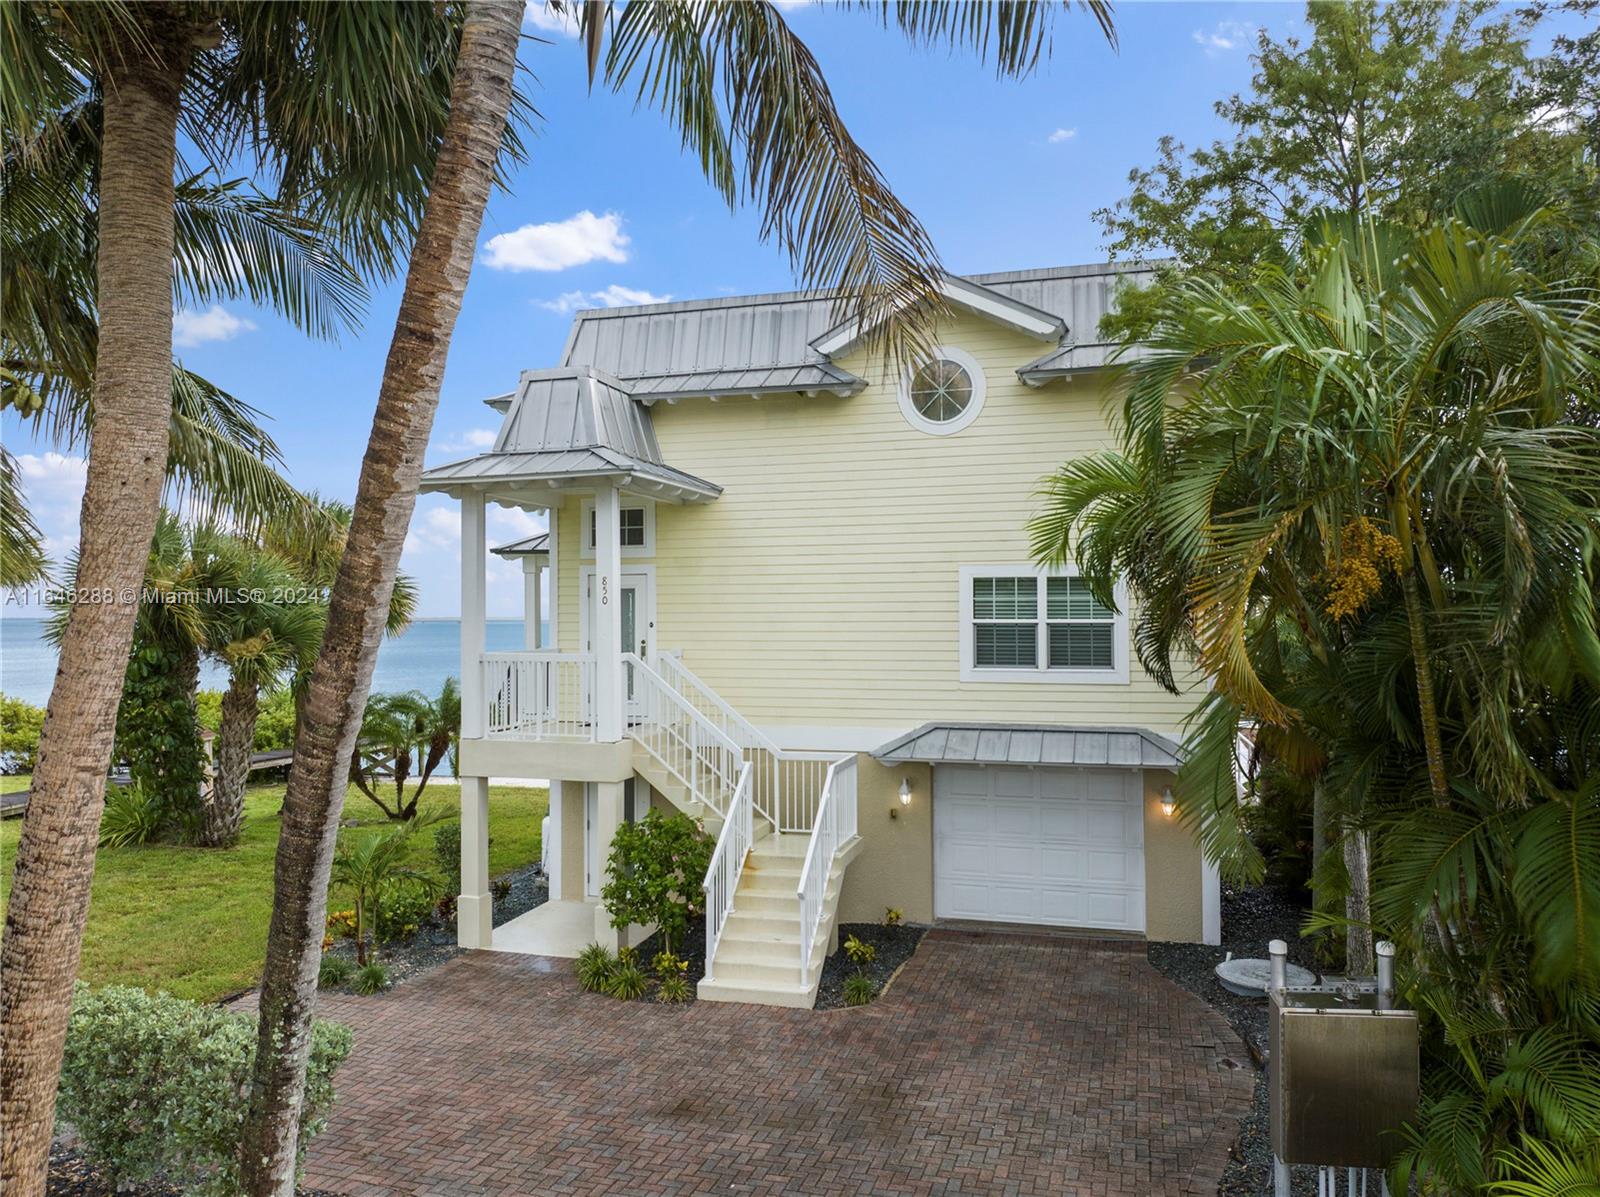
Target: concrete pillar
x,y
607,616
530,602
474,573
474,906
555,858
609,815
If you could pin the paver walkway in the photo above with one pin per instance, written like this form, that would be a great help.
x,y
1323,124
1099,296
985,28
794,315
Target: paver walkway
x,y
994,1065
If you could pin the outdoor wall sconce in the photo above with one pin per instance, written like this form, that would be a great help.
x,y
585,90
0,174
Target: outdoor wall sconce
x,y
905,797
1169,804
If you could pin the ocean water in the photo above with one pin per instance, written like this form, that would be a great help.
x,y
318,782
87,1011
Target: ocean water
x,y
420,658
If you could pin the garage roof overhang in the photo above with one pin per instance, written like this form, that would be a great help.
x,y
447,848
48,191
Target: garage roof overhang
x,y
1032,744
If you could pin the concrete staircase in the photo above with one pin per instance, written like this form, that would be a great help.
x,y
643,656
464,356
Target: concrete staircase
x,y
758,958
674,791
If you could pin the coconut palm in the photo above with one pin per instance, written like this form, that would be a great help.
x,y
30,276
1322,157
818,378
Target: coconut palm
x,y
342,106
1362,497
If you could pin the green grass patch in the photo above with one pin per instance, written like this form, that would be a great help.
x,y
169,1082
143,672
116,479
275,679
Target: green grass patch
x,y
193,921
15,783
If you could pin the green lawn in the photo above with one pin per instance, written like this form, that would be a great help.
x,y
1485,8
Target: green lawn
x,y
193,921
15,783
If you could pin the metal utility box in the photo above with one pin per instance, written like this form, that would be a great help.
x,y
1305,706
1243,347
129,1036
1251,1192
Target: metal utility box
x,y
1341,1075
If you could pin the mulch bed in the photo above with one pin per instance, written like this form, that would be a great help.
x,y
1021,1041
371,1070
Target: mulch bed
x,y
1250,919
434,942
894,944
71,1175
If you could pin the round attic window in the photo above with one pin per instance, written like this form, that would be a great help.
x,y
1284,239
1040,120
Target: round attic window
x,y
943,394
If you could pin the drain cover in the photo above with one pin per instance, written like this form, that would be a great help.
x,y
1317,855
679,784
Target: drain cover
x,y
1249,977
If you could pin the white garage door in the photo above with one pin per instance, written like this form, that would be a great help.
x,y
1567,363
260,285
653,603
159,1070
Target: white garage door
x,y
1064,847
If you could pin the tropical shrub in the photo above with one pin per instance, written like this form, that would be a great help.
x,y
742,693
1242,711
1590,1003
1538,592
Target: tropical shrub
x,y
334,971
373,865
628,982
275,721
594,966
370,978
20,725
134,814
893,916
447,851
655,872
401,909
859,987
156,1086
672,977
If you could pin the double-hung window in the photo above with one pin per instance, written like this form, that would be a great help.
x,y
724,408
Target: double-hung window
x,y
1021,624
636,529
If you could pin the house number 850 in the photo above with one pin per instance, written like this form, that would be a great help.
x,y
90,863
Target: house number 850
x,y
605,591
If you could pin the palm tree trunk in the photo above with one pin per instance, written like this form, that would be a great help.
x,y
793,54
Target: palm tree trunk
x,y
1358,959
224,812
126,473
436,280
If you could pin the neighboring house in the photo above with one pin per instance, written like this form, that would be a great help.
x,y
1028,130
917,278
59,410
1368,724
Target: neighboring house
x,y
790,592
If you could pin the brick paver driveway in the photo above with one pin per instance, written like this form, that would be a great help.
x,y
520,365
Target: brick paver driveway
x,y
993,1065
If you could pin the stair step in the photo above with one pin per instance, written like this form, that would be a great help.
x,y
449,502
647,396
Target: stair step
x,y
761,993
752,924
762,972
744,949
763,904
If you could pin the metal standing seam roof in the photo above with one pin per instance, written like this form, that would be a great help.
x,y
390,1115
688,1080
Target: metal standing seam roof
x,y
568,465
1071,359
809,376
1041,744
720,336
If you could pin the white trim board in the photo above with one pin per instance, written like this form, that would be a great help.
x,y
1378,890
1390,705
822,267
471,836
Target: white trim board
x,y
1117,675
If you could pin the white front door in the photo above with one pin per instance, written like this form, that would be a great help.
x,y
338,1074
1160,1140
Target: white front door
x,y
1063,847
638,612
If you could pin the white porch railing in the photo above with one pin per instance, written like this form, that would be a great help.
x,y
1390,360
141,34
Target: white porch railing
x,y
687,744
539,696
727,863
835,826
787,784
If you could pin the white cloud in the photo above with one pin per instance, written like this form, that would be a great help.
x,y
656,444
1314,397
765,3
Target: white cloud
x,y
559,244
1061,135
432,556
539,15
614,296
215,324
1226,36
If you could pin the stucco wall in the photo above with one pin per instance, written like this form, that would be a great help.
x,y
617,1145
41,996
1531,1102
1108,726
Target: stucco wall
x,y
895,865
1173,900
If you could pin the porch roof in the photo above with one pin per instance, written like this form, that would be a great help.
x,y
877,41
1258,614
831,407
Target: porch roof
x,y
561,467
1032,744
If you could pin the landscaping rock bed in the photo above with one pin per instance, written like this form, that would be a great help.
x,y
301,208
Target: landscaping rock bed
x,y
1250,919
434,942
894,944
692,950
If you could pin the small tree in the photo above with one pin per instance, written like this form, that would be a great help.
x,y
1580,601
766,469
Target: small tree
x,y
372,864
656,869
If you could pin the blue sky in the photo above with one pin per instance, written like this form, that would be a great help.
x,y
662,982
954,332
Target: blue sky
x,y
1004,174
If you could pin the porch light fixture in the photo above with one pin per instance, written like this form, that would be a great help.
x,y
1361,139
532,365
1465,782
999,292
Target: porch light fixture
x,y
905,791
1169,804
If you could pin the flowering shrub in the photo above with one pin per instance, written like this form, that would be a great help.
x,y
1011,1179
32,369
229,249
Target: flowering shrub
x,y
157,1086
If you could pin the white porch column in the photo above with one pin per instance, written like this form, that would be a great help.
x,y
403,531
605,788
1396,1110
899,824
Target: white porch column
x,y
609,815
530,602
554,860
607,617
553,581
474,907
474,568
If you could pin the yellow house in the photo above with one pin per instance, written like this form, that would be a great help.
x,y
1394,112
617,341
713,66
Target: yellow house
x,y
789,591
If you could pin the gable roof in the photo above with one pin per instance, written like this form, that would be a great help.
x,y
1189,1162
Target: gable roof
x,y
1032,744
722,337
963,293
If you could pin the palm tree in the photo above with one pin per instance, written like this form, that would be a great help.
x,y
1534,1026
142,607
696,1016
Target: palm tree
x,y
371,863
393,728
300,89
1362,497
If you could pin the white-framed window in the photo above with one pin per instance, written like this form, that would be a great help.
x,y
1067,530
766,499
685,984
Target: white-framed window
x,y
942,394
1023,624
636,519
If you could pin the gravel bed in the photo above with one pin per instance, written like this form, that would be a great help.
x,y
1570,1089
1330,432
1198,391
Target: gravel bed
x,y
1250,919
894,944
691,949
434,942
72,1175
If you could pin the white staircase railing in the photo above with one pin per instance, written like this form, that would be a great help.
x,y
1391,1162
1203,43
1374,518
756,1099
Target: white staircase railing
x,y
688,745
835,826
727,863
539,696
787,784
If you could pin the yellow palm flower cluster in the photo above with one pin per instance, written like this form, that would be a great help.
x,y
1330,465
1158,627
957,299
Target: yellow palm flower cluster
x,y
1366,550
